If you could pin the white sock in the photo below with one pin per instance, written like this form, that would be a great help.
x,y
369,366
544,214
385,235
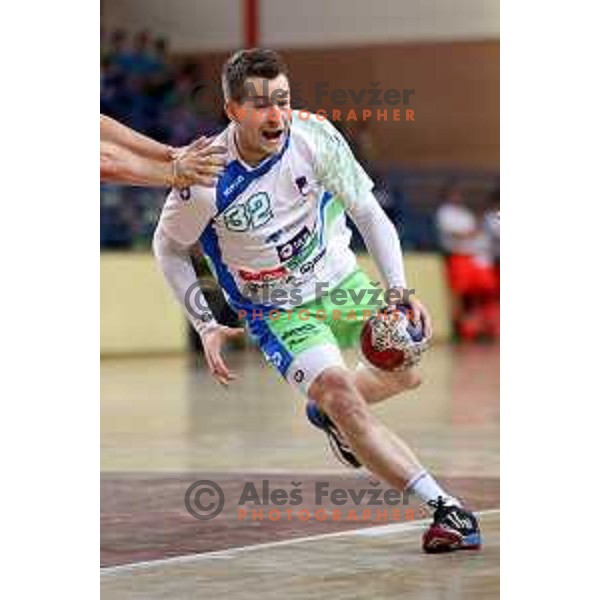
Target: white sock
x,y
426,488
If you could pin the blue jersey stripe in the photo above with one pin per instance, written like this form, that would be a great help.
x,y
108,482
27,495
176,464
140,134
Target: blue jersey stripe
x,y
210,245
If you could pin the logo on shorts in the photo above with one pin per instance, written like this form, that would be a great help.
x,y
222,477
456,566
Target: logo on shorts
x,y
299,376
276,359
305,330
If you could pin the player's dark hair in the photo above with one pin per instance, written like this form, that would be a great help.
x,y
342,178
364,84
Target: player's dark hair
x,y
256,62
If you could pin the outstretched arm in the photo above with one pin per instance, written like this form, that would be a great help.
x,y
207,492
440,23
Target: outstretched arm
x,y
120,165
129,157
120,135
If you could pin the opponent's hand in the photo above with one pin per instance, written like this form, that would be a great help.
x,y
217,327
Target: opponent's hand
x,y
213,341
198,164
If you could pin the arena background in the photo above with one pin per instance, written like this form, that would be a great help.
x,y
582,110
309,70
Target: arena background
x,y
166,424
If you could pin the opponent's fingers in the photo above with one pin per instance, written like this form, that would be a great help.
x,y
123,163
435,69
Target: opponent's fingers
x,y
198,163
200,143
210,170
213,150
211,161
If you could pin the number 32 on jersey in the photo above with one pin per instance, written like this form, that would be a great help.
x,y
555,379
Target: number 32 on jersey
x,y
253,213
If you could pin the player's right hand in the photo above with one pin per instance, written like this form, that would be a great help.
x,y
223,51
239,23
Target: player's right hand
x,y
198,164
213,341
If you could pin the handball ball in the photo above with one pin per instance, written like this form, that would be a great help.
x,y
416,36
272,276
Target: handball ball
x,y
385,340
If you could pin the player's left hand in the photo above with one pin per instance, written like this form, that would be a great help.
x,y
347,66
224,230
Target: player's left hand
x,y
420,314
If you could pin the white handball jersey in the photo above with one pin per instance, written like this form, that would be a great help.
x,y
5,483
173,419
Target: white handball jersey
x,y
280,225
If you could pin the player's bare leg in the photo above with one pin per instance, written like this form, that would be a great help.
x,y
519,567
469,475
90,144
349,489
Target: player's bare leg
x,y
375,385
383,453
390,459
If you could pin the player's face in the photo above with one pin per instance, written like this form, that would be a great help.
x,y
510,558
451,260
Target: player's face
x,y
263,116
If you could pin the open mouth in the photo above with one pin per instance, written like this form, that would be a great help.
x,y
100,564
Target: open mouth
x,y
273,135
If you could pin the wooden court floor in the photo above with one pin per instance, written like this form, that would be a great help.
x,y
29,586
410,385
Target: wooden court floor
x,y
166,425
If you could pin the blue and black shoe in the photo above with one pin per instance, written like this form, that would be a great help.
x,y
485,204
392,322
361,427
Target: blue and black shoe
x,y
339,447
453,528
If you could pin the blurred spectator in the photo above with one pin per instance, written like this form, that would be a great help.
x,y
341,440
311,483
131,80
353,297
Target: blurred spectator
x,y
117,47
138,86
491,224
161,81
456,222
491,228
470,267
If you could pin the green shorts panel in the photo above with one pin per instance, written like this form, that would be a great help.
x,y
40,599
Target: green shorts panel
x,y
335,318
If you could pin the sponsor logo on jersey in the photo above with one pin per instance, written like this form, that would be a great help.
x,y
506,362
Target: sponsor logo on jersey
x,y
310,265
265,275
185,193
294,246
302,185
303,255
274,237
232,187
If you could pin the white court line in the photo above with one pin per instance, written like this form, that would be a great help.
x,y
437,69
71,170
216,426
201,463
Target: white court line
x,y
377,530
185,472
334,469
